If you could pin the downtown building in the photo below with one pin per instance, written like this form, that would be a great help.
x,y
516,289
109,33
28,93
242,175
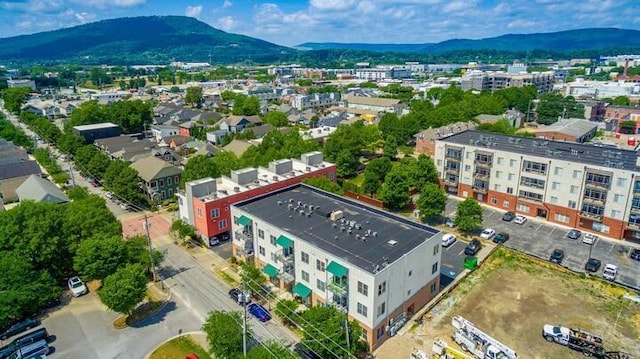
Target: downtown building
x,y
587,187
205,203
377,267
497,80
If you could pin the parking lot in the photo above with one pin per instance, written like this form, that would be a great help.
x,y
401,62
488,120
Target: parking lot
x,y
539,238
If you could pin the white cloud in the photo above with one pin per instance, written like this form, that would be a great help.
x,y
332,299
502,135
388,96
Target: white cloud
x,y
33,6
227,23
193,11
102,4
332,5
84,17
522,24
226,4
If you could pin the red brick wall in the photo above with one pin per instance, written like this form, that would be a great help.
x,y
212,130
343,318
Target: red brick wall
x,y
366,199
556,136
425,146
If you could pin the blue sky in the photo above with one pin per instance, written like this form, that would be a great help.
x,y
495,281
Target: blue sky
x,y
375,21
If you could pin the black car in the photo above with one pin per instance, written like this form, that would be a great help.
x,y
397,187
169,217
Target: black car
x,y
19,327
31,337
305,352
557,256
593,265
473,247
508,217
574,234
501,238
236,295
635,254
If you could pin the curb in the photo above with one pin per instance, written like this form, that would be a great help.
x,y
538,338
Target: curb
x,y
170,339
164,303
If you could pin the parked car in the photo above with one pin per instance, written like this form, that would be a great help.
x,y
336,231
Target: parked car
x,y
574,234
305,352
635,254
448,239
126,206
520,219
488,233
109,195
610,272
77,286
593,265
589,238
508,217
259,312
19,327
557,256
236,295
450,222
32,337
473,247
501,238
35,350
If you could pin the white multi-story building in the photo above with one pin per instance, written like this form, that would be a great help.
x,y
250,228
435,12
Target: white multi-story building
x,y
496,80
328,250
384,73
584,186
316,100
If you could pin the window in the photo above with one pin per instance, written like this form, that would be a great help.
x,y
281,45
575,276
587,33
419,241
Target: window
x,y
615,214
532,196
434,268
436,249
497,187
572,204
467,168
332,176
534,167
274,258
522,208
161,183
573,189
494,200
363,288
222,224
555,185
617,198
577,173
199,212
500,160
176,179
512,163
305,276
622,182
215,213
598,179
592,209
433,288
304,257
382,308
362,309
553,199
557,171
272,240
510,190
511,176
261,250
382,287
261,233
154,184
320,285
505,204
410,272
170,192
563,218
498,174
379,332
320,265
168,181
439,163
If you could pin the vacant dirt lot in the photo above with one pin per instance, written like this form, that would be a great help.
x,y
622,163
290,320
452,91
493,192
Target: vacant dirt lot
x,y
511,297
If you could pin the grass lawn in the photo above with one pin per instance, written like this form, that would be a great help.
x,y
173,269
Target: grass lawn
x,y
178,348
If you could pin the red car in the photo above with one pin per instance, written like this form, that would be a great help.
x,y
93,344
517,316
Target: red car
x,y
192,356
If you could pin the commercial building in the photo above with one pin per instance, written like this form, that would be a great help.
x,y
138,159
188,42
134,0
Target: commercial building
x,y
591,188
384,73
496,80
316,100
205,202
569,129
96,131
376,104
22,83
377,267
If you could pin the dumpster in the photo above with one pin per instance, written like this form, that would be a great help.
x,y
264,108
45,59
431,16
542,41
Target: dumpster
x,y
470,262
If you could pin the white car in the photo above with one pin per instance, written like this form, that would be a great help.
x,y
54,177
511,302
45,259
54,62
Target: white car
x,y
520,219
488,233
77,286
109,195
448,239
589,238
610,272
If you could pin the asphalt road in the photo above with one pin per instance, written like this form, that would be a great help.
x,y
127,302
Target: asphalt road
x,y
539,238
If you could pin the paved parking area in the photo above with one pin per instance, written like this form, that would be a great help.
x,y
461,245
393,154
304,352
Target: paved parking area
x,y
539,238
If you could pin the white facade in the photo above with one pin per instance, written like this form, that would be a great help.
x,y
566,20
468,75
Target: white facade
x,y
303,102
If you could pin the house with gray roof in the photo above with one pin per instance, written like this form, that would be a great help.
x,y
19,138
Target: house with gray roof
x,y
38,189
15,168
160,180
569,129
236,124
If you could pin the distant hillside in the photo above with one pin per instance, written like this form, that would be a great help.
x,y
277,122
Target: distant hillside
x,y
138,40
562,41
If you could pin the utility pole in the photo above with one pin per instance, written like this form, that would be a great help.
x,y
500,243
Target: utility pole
x,y
73,179
244,296
346,329
146,226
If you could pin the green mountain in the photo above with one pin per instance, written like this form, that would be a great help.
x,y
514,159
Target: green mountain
x,y
140,40
562,41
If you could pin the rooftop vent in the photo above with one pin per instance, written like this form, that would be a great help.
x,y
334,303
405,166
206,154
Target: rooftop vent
x,y
392,243
236,189
279,203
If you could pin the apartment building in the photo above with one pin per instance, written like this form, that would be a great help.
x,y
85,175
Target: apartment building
x,y
496,80
205,203
591,188
377,267
384,73
316,100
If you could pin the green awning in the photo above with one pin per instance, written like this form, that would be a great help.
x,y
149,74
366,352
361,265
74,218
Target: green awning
x,y
284,242
270,270
244,220
301,290
336,269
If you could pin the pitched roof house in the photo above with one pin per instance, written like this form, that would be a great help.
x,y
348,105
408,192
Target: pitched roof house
x,y
160,179
38,189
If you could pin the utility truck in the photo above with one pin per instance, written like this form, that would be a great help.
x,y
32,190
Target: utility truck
x,y
442,350
582,341
479,343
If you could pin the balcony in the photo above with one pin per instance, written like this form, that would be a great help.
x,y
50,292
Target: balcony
x,y
485,164
337,287
594,200
481,189
451,170
636,194
243,236
635,209
286,275
285,258
453,158
451,181
596,184
591,215
482,174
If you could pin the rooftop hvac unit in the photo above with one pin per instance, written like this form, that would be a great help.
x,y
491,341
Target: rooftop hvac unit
x,y
236,189
290,206
336,215
308,169
275,178
279,203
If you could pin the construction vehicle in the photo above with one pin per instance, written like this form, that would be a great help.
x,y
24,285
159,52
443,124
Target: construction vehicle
x,y
443,351
576,339
477,342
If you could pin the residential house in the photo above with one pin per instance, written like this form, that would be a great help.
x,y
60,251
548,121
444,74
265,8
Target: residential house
x,y
35,188
426,139
160,180
236,124
216,136
161,131
15,168
174,142
238,147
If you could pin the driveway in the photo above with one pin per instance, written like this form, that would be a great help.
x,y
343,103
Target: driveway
x,y
539,238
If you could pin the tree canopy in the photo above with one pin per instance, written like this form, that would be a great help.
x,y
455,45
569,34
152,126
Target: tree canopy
x,y
374,174
131,115
224,334
553,106
432,201
345,146
395,189
99,257
199,167
469,215
194,96
324,184
123,181
124,289
324,333
15,97
276,119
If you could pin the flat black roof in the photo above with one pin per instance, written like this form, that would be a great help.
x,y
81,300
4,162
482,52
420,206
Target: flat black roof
x,y
311,222
569,151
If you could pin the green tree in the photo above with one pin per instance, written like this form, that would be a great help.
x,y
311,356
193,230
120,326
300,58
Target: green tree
x,y
251,106
621,101
194,96
138,252
469,215
70,143
88,217
286,309
14,98
324,184
269,350
199,167
99,257
324,333
123,181
84,155
395,189
432,201
252,278
228,95
553,106
375,173
98,165
124,289
224,334
182,229
276,119
421,171
226,161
